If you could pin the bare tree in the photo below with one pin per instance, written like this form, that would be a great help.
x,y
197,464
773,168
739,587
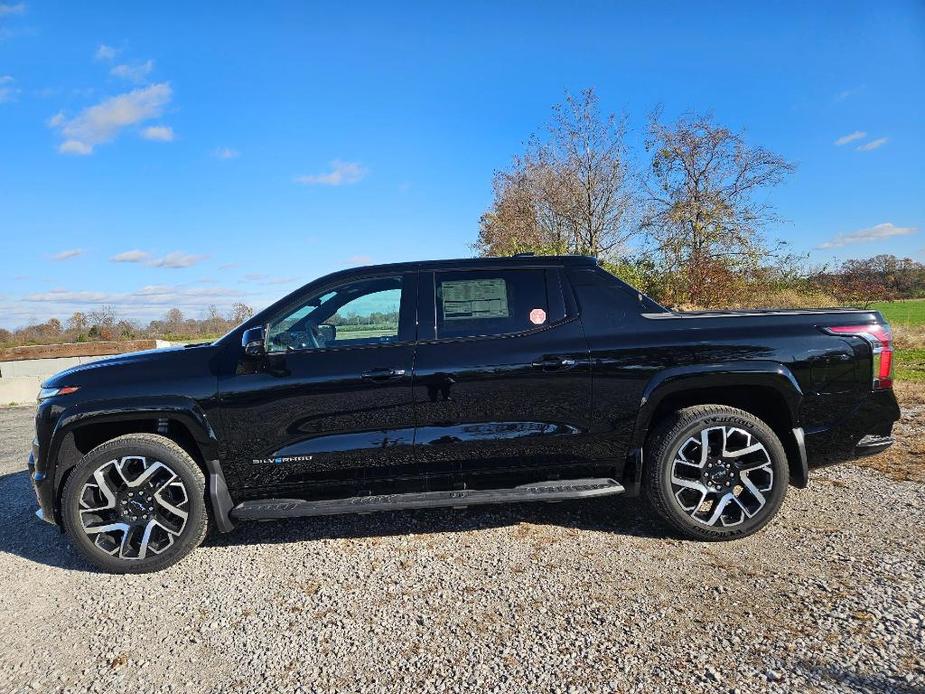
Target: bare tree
x,y
703,212
173,320
104,316
126,329
102,321
569,193
77,322
53,327
213,322
240,312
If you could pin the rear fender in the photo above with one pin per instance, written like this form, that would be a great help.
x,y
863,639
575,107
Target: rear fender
x,y
760,374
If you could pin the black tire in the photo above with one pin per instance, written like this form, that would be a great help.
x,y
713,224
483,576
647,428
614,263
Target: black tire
x,y
678,438
177,477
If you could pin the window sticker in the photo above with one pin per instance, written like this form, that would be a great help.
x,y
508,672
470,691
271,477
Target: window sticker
x,y
537,316
473,299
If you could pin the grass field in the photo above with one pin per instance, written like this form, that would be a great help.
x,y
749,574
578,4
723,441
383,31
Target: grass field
x,y
910,364
909,312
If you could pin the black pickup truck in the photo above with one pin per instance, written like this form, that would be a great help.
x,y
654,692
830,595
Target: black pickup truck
x,y
456,383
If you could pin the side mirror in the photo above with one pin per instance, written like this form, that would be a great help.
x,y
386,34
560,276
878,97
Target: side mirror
x,y
253,341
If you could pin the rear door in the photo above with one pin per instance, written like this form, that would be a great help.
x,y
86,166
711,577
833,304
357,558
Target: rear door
x,y
502,385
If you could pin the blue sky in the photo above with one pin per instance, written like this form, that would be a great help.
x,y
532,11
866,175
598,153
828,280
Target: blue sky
x,y
161,154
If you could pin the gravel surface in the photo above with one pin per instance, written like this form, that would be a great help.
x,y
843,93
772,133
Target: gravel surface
x,y
571,597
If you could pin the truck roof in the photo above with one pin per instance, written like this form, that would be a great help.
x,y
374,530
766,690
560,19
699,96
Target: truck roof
x,y
507,261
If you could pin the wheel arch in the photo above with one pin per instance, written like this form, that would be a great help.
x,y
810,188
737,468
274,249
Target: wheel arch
x,y
86,426
767,390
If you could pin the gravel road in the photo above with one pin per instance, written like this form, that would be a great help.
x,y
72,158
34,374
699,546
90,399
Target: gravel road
x,y
571,597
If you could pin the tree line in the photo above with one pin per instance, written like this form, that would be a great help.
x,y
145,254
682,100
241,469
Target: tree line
x,y
685,220
103,323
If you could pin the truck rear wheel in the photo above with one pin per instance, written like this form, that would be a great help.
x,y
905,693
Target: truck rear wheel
x,y
715,472
135,504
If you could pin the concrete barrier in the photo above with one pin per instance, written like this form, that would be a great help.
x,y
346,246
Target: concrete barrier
x,y
21,380
20,390
41,367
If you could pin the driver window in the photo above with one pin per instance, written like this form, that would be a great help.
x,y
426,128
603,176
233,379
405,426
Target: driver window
x,y
360,313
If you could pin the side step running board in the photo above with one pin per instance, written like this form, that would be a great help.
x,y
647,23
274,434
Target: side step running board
x,y
559,490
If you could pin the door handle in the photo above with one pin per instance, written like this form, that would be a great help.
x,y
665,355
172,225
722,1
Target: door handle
x,y
383,374
554,363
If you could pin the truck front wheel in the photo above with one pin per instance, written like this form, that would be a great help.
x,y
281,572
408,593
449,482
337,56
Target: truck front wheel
x,y
135,504
715,472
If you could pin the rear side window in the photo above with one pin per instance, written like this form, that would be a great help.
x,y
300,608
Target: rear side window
x,y
500,302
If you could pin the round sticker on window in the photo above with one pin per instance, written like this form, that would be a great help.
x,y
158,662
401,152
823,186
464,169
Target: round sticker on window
x,y
537,316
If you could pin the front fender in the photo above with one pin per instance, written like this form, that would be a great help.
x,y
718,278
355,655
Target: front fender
x,y
184,410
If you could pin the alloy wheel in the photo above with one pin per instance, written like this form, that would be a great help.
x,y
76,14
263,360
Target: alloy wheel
x,y
722,476
133,506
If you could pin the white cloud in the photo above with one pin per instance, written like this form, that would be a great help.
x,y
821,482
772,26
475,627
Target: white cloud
x,y
68,254
136,303
160,133
225,153
176,259
103,122
845,139
873,144
105,53
137,73
360,260
135,256
75,147
341,173
166,292
7,9
261,278
149,300
878,232
68,296
8,91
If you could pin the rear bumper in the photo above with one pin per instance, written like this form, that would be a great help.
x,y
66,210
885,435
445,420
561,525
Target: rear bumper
x,y
872,444
866,430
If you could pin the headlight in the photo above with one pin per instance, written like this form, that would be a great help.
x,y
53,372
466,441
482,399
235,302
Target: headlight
x,y
46,393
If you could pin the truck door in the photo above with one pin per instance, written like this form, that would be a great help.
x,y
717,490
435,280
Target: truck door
x,y
329,408
502,385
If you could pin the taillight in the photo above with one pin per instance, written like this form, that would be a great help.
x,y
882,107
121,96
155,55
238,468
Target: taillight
x,y
880,338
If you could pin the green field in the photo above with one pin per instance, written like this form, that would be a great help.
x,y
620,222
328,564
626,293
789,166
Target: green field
x,y
910,364
910,311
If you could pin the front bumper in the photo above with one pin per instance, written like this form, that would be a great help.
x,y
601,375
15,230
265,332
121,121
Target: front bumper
x,y
43,488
